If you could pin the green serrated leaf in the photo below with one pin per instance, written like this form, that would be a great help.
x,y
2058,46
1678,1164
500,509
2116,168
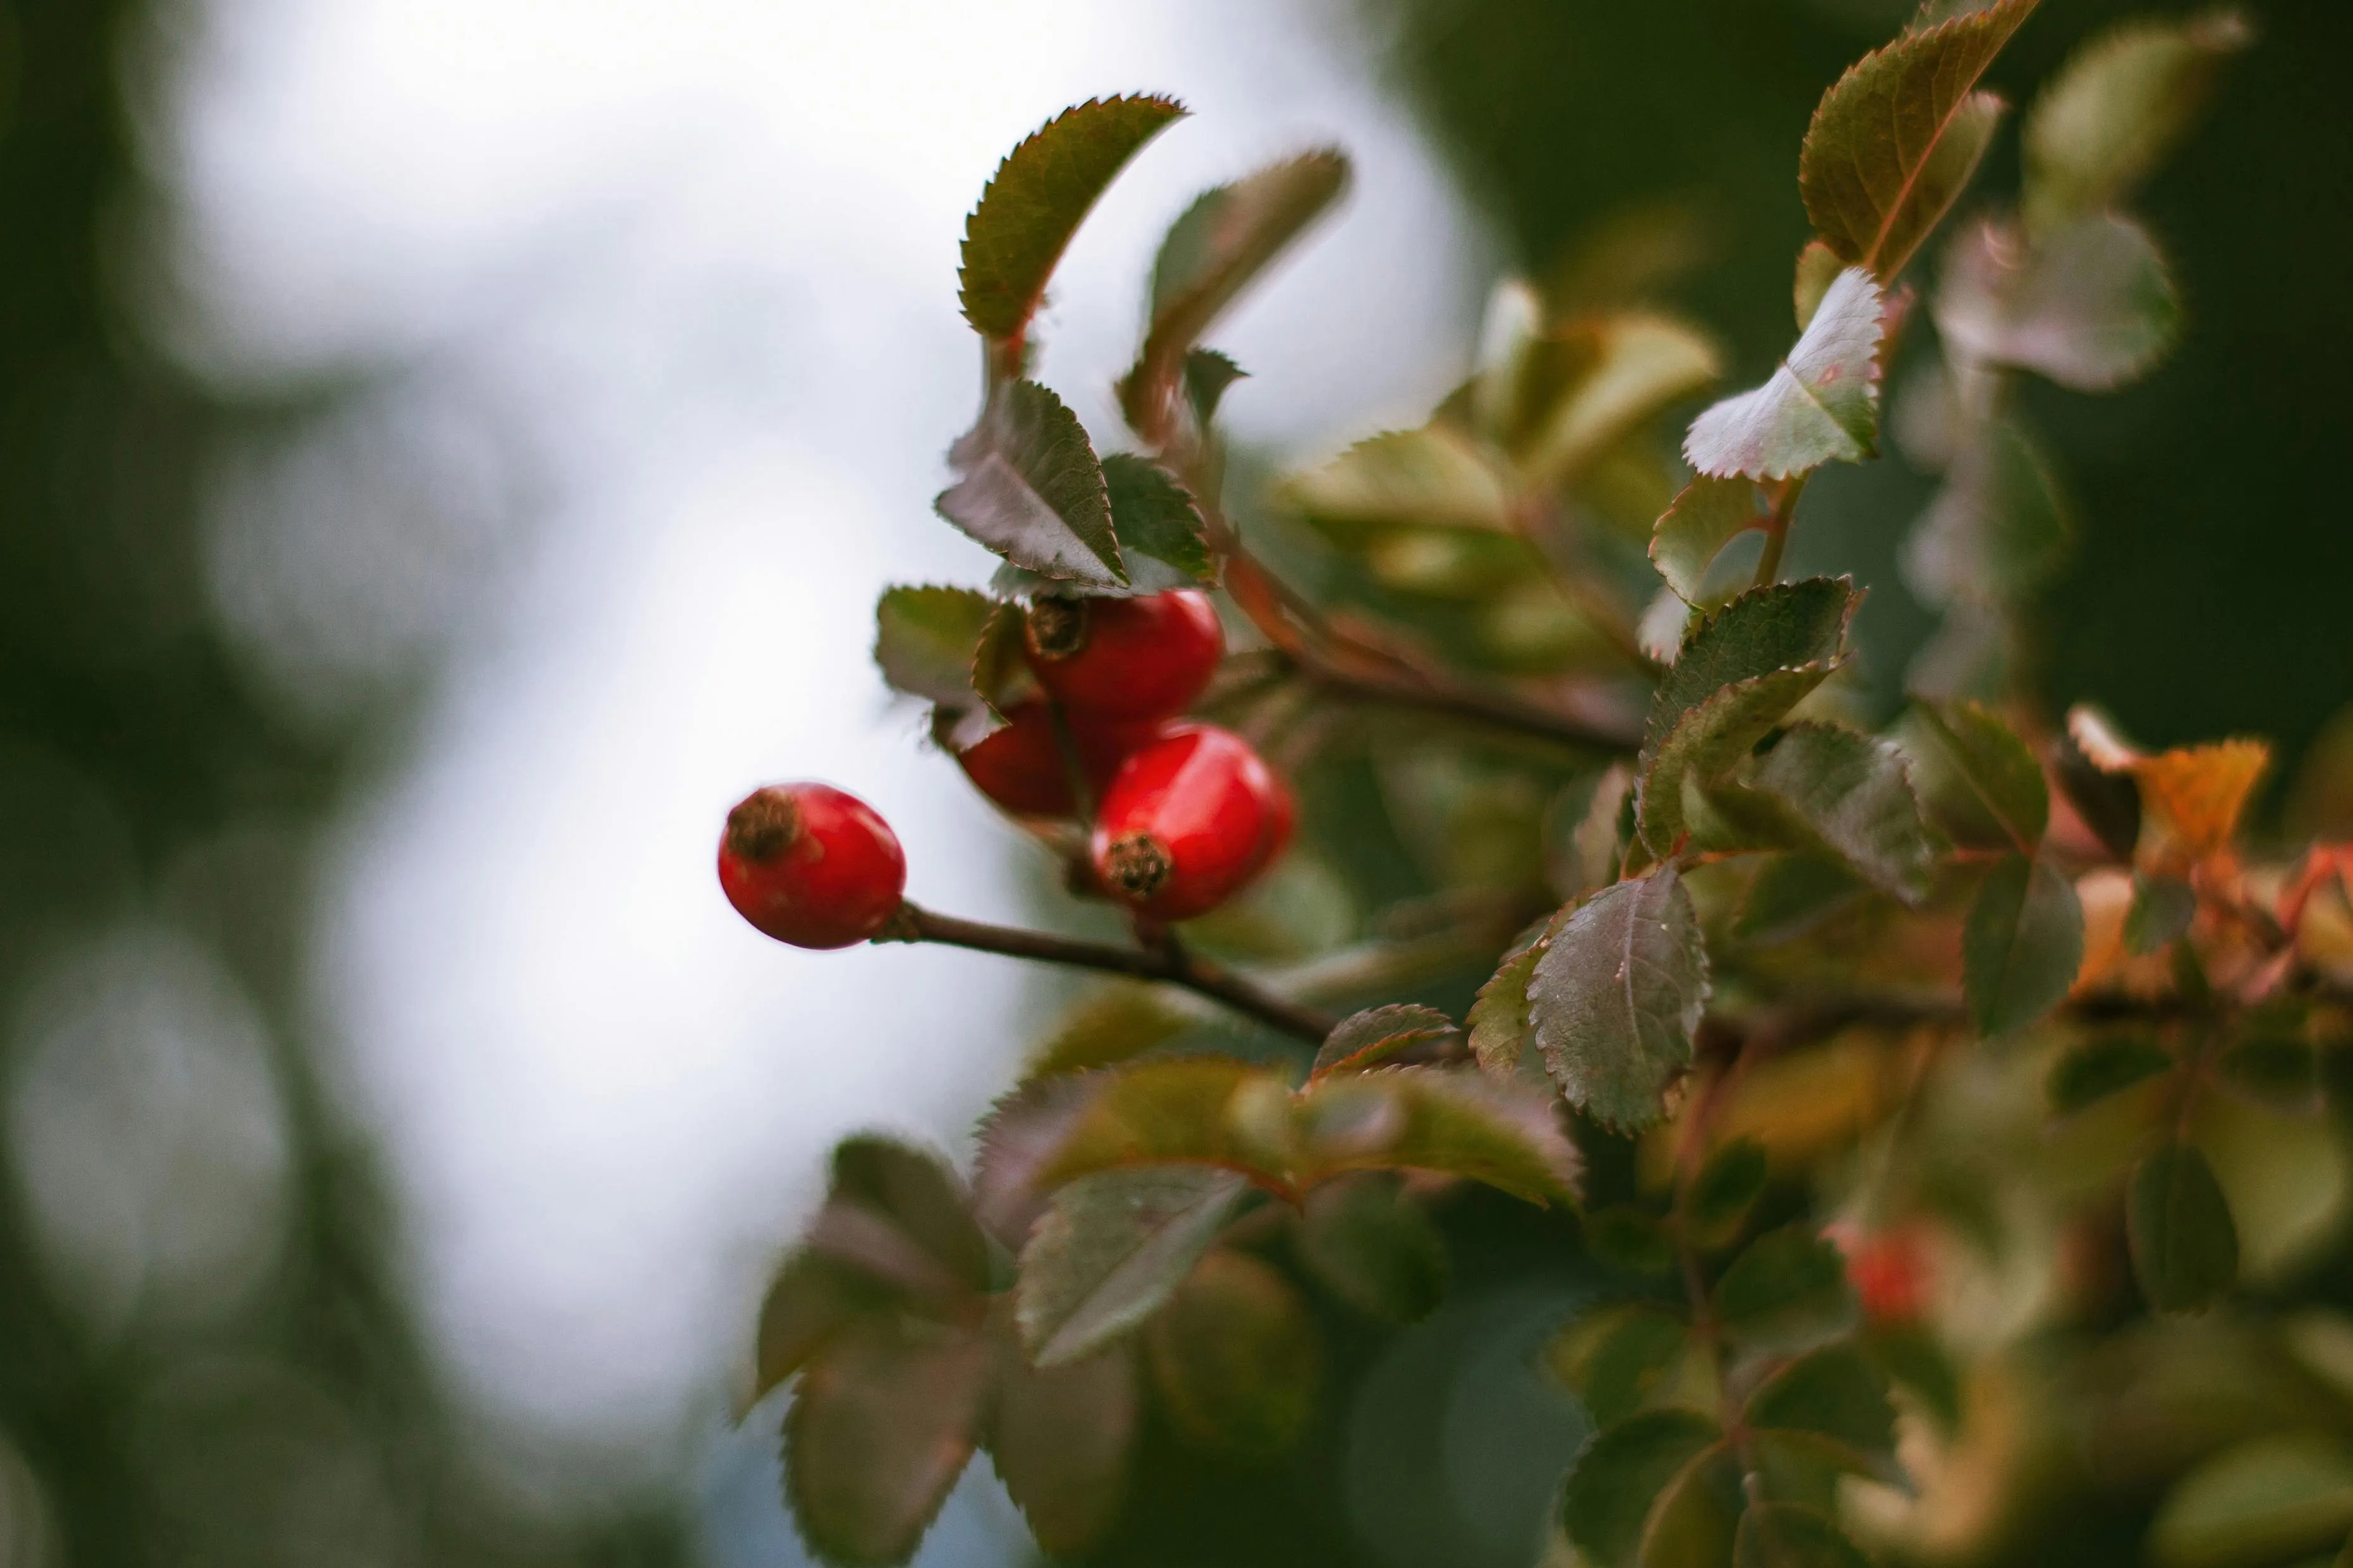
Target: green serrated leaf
x,y
2022,945
1236,1358
1613,1358
1788,1535
1787,1292
1978,781
1620,1473
1791,895
1366,1040
1820,407
1062,1438
1500,1032
2162,909
1616,996
1429,477
1851,792
879,1427
924,639
2268,1499
1706,516
2092,305
1037,199
2118,107
1717,1202
1157,523
1110,1026
1373,1249
1694,1522
1460,1124
1834,1392
2096,1069
1200,1110
1111,1250
1896,139
1029,488
1999,528
2185,1248
1590,383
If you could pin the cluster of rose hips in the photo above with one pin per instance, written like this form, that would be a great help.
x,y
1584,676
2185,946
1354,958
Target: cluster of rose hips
x,y
1185,813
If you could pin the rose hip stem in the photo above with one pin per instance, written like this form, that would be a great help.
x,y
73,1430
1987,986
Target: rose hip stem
x,y
1175,964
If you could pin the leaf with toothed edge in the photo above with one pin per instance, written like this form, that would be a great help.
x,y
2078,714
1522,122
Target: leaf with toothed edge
x,y
1037,199
1368,1038
1851,792
1424,1118
1062,1438
1896,139
1029,488
1208,373
1157,523
1615,1479
924,640
1617,995
1500,1032
1822,406
1111,1248
1708,514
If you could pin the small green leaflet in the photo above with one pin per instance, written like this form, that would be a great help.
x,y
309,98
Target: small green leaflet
x,y
1979,780
1111,1250
2091,305
1586,384
1718,1200
1787,1292
924,640
1615,998
2093,1071
1208,373
1791,895
1500,1032
1707,515
2185,1249
1029,488
1366,1039
1834,1392
1851,792
1427,477
1036,201
1620,1472
1613,1358
1820,407
2022,945
2162,909
1157,523
1896,139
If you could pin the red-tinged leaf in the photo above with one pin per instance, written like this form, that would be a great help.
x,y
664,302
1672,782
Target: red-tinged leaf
x,y
1894,142
1111,1250
1617,995
1062,1438
1365,1041
1039,195
2091,305
881,1426
812,1297
1820,407
917,1194
1029,487
1236,1358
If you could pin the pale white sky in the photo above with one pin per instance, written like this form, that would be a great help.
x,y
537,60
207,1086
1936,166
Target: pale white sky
x,y
698,259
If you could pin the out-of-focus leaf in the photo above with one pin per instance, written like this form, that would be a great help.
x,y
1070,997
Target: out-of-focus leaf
x,y
913,1191
1791,895
1062,1438
1853,794
1037,199
2185,1248
1706,516
1108,1026
1999,529
2108,803
2269,1500
1818,263
1216,248
1739,673
1694,1522
879,1427
1615,998
1029,488
2022,946
2277,1071
2118,107
1834,1392
1365,1041
1236,1359
812,1297
924,639
1978,781
1718,1201
1787,1292
1581,847
1456,1124
1896,139
2200,792
1820,407
1429,477
1193,1110
1805,1467
1786,1535
2162,909
1000,665
1208,373
1619,1473
1595,380
1629,1237
2091,306
1111,1250
2096,1069
1156,524
1613,1358
1373,1249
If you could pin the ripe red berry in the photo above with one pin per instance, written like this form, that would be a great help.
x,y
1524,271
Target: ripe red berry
x,y
810,864
1188,821
1145,658
1889,1272
1020,766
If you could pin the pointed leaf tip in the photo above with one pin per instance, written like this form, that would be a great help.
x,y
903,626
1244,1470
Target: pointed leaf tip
x,y
1029,488
1820,407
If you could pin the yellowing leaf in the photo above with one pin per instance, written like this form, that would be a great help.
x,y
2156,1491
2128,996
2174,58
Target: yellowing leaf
x,y
2201,791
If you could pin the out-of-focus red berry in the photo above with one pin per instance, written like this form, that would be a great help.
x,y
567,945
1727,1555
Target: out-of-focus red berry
x,y
1020,766
1188,821
812,866
1889,1272
1146,657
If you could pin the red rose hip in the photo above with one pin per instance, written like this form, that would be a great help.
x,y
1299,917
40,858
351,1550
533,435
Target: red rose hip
x,y
1145,658
1020,766
1188,821
812,866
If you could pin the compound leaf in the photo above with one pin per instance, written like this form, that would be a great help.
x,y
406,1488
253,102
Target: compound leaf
x,y
2022,945
1111,1250
1896,139
1038,197
1616,996
2185,1248
1029,488
1820,407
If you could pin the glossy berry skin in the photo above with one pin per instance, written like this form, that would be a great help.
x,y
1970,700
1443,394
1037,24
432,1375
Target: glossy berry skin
x,y
812,866
1132,659
1020,766
1187,822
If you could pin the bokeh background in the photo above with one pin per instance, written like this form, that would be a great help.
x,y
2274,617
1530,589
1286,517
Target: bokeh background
x,y
449,450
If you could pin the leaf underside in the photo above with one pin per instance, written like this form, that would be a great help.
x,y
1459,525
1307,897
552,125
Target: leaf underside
x,y
1822,406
